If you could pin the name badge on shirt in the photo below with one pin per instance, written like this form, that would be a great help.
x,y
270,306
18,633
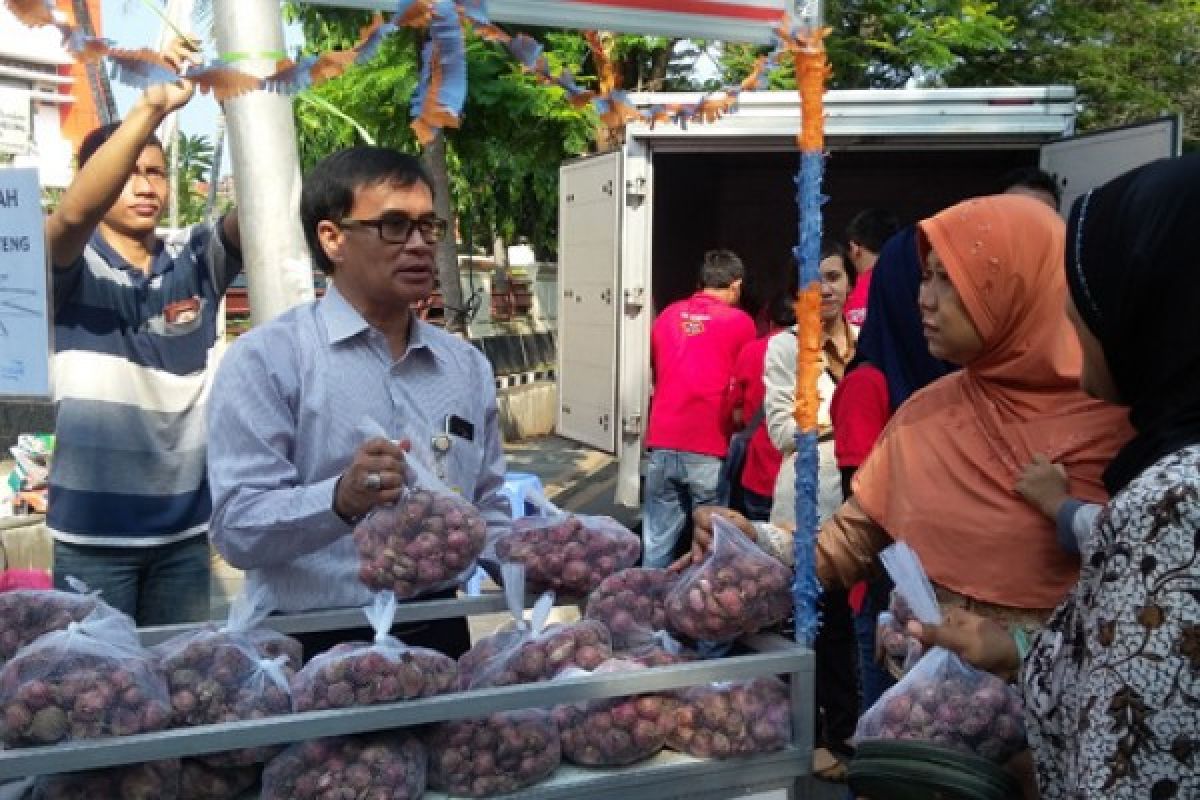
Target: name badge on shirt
x,y
182,312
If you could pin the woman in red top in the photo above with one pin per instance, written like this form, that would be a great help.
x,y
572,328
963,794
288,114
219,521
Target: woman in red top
x,y
744,409
892,361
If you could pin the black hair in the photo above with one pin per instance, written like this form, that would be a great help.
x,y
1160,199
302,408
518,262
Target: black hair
x,y
1032,178
781,309
721,268
872,227
97,139
329,187
832,247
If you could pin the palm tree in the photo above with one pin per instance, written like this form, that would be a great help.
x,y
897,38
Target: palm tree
x,y
194,156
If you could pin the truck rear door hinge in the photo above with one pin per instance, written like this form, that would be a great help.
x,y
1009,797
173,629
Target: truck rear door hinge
x,y
631,424
635,191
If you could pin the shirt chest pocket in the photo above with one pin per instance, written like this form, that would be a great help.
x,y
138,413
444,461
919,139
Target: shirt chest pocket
x,y
462,464
180,317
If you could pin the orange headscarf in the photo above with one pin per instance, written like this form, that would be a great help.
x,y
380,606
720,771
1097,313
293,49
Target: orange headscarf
x,y
941,477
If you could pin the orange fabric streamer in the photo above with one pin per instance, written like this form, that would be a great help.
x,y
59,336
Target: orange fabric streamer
x,y
812,71
809,362
751,81
606,74
433,115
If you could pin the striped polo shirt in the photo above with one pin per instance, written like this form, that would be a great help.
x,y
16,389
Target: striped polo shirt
x,y
132,367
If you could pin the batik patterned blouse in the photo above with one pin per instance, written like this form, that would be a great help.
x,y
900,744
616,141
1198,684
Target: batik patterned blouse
x,y
1112,684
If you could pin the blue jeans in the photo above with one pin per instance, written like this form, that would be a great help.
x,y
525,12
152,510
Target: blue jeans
x,y
874,680
676,483
163,585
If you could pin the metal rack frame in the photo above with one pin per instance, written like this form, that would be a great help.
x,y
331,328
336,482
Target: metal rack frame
x,y
667,775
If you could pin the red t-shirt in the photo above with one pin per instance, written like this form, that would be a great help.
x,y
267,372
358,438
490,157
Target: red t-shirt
x,y
746,391
860,410
855,310
693,345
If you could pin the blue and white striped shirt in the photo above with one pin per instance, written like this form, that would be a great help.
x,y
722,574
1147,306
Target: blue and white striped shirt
x,y
131,376
293,400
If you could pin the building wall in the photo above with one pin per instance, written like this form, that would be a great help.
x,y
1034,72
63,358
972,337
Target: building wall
x,y
32,63
81,117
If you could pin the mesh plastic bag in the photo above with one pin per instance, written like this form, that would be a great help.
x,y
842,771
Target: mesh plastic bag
x,y
566,552
942,699
632,604
219,675
152,780
426,541
273,644
723,720
894,647
370,673
493,755
614,731
737,589
661,650
387,766
199,781
532,651
89,681
25,614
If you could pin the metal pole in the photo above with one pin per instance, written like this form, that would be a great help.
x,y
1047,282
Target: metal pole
x,y
808,13
266,167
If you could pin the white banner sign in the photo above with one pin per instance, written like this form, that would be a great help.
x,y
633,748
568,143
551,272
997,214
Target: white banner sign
x,y
727,20
24,295
16,125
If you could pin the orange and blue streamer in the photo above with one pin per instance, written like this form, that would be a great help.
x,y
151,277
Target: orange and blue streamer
x,y
812,70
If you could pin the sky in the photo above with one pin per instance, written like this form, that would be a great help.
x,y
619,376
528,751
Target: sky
x,y
131,24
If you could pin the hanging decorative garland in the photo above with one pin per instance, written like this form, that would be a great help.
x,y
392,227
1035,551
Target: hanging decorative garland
x,y
442,92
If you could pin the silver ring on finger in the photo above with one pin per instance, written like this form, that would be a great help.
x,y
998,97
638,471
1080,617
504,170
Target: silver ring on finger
x,y
373,482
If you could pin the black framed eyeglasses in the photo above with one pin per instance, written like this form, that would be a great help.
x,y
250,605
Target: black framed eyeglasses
x,y
396,228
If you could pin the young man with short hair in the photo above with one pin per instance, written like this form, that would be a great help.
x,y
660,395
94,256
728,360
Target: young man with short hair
x,y
135,331
865,237
694,343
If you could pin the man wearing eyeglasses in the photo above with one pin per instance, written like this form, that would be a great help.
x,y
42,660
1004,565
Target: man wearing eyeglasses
x,y
315,414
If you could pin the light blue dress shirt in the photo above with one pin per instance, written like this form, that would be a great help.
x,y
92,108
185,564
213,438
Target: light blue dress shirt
x,y
292,401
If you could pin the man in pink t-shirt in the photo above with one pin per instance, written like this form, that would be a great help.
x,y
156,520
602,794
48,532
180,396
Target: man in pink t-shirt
x,y
693,345
865,236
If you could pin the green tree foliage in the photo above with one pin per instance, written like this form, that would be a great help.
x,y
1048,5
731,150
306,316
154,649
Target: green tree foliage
x,y
891,43
503,161
195,171
1129,59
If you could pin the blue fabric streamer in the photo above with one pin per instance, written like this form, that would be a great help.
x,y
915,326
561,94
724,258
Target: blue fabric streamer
x,y
476,11
526,50
452,49
806,591
418,98
293,80
139,74
371,46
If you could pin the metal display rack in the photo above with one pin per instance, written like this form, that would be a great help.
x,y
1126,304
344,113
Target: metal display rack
x,y
667,775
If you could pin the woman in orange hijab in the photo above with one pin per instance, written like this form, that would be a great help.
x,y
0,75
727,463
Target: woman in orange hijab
x,y
941,476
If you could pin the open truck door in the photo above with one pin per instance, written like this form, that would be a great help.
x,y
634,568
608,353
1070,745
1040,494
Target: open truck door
x,y
1084,162
589,248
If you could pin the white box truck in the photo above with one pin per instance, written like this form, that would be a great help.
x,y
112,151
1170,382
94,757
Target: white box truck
x,y
633,223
